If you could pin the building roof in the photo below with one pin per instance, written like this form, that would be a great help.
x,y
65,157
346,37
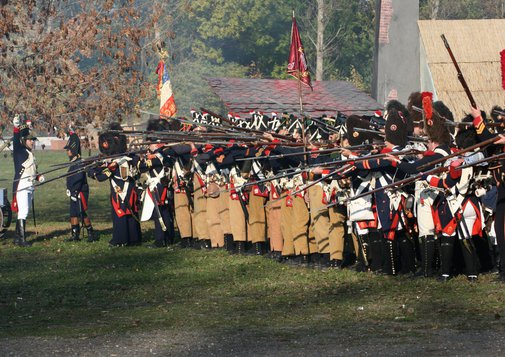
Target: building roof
x,y
476,45
243,95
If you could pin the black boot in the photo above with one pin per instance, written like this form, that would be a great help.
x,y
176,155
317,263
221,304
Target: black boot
x,y
259,248
206,244
446,253
375,248
192,242
336,264
471,258
93,235
495,259
427,255
362,264
323,261
229,244
240,248
197,244
407,255
20,234
304,260
390,257
75,236
186,242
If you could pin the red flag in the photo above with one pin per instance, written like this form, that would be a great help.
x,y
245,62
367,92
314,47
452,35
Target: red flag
x,y
297,64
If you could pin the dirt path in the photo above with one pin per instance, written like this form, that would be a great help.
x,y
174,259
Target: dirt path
x,y
254,343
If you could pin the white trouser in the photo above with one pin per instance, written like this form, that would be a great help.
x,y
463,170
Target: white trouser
x,y
24,201
469,218
425,214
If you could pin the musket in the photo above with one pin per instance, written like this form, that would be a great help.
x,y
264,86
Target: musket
x,y
242,203
397,184
484,160
154,195
325,125
268,179
5,144
33,211
380,133
313,183
460,74
102,157
275,135
436,170
331,163
369,157
326,151
470,148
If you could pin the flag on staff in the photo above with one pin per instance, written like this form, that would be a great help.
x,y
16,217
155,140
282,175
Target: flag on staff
x,y
297,63
164,88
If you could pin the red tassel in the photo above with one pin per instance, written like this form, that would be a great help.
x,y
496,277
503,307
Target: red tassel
x,y
428,108
502,57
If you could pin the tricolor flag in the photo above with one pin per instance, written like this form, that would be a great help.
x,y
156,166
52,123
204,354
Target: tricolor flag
x,y
164,88
297,64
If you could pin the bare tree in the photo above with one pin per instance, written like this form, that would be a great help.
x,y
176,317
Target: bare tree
x,y
64,61
323,11
434,8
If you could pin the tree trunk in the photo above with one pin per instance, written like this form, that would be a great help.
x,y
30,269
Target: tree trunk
x,y
320,40
434,5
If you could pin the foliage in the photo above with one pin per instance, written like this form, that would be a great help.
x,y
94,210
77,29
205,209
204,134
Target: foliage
x,y
242,31
72,60
462,9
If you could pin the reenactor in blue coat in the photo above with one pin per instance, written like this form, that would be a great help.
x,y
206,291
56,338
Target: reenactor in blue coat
x,y
78,191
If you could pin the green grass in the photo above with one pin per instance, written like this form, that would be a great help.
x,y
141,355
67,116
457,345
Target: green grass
x,y
81,290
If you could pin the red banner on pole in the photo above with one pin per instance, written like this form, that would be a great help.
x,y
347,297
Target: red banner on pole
x,y
297,63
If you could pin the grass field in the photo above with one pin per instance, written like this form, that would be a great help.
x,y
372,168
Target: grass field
x,y
81,291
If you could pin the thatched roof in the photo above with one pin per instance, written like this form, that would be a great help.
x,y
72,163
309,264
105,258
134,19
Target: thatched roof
x,y
476,44
242,95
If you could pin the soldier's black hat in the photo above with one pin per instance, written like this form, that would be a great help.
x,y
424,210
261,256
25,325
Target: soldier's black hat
x,y
355,137
112,142
434,124
466,136
416,116
400,108
26,134
396,128
73,144
445,113
156,125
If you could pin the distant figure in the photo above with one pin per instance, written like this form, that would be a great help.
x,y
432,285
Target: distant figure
x,y
25,172
78,191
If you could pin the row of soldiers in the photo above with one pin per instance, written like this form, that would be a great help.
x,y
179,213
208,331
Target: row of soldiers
x,y
385,201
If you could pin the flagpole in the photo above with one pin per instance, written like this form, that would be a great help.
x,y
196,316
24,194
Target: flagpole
x,y
301,109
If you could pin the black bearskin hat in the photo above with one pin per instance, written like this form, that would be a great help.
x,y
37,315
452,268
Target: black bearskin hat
x,y
355,137
495,112
112,142
415,100
444,112
466,136
434,124
156,124
396,128
399,107
73,144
